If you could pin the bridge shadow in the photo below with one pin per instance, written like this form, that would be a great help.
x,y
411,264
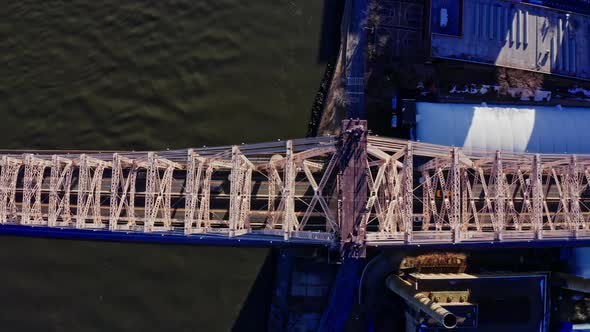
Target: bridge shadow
x,y
329,45
330,31
255,310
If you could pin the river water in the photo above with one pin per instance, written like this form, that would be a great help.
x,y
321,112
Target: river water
x,y
131,74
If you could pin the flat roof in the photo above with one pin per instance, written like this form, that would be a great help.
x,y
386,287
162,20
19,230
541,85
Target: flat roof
x,y
511,128
521,36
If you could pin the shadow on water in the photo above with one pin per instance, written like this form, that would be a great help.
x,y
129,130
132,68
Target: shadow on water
x,y
255,310
330,30
65,285
329,46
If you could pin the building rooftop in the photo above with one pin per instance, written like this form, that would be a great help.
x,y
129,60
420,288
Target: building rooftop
x,y
510,128
515,35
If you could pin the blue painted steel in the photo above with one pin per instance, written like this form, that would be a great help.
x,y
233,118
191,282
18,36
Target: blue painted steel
x,y
246,240
279,310
553,243
342,296
260,240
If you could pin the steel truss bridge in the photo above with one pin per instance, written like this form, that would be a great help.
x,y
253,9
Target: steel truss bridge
x,y
353,190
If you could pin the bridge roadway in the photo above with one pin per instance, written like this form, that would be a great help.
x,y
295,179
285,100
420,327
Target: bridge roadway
x,y
290,192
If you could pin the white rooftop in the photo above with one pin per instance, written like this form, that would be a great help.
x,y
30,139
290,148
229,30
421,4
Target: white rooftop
x,y
537,129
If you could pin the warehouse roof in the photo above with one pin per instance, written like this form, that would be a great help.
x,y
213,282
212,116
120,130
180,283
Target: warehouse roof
x,y
542,129
517,35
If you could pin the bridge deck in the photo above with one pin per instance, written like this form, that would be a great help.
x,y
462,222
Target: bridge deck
x,y
289,193
261,239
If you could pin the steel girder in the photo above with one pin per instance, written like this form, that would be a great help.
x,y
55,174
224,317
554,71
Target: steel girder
x,y
31,197
158,188
90,174
59,213
417,193
123,186
469,196
8,180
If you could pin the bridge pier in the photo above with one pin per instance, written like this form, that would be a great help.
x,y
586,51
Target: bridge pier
x,y
352,195
352,188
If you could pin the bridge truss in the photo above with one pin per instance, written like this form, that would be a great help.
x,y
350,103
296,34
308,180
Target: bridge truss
x,y
292,191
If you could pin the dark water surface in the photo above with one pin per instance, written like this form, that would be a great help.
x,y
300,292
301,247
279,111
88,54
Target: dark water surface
x,y
55,285
131,74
